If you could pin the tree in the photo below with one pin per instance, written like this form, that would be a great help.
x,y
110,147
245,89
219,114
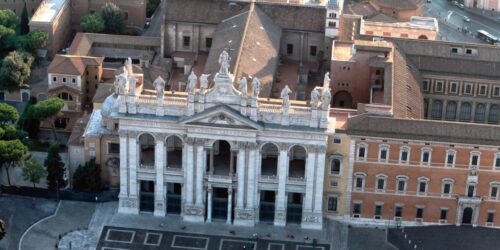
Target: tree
x,y
33,171
87,178
151,7
8,114
113,18
16,68
35,40
11,153
92,23
24,25
46,110
55,168
3,230
8,23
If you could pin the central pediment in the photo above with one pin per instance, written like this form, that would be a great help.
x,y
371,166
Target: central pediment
x,y
221,115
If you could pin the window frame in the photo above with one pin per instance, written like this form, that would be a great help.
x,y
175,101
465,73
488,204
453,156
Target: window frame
x,y
420,180
401,151
383,147
436,86
376,205
396,207
354,205
109,147
494,184
472,155
422,152
444,182
401,178
333,158
448,152
336,197
471,88
363,181
495,160
381,177
453,83
365,146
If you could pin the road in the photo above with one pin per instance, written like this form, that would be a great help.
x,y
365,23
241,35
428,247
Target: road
x,y
449,27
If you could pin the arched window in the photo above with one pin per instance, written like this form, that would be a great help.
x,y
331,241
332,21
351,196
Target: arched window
x,y
451,111
65,96
494,114
465,111
437,109
480,114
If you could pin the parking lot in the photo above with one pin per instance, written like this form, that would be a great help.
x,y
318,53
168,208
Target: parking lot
x,y
114,238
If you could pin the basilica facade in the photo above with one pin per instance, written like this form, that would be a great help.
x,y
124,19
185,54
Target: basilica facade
x,y
216,152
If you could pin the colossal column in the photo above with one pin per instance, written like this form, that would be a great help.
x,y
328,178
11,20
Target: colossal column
x,y
159,167
280,213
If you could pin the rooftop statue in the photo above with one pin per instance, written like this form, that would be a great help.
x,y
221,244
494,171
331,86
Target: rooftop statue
x,y
326,80
256,87
128,66
285,95
121,82
326,97
132,82
314,97
224,60
204,81
243,86
191,85
159,85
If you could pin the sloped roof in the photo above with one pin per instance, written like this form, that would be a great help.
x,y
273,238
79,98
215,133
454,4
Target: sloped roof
x,y
296,17
255,41
423,130
399,4
72,65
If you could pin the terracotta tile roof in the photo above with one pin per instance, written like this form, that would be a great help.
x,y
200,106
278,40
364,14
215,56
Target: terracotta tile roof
x,y
399,4
424,130
72,65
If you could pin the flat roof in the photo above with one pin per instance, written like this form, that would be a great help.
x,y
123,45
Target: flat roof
x,y
48,10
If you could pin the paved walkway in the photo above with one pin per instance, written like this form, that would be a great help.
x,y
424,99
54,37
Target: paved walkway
x,y
69,216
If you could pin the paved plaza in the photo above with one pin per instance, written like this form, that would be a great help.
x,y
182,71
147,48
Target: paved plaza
x,y
126,238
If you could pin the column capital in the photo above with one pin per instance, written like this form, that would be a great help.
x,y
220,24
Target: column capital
x,y
283,146
252,145
123,133
230,191
241,144
200,141
321,149
133,134
312,148
189,140
160,137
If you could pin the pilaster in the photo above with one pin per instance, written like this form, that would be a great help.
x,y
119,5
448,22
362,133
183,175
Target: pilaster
x,y
280,213
160,207
246,216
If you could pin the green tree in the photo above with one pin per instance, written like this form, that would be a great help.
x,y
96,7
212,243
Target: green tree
x,y
87,178
33,171
35,40
8,23
151,7
16,68
55,168
8,114
92,23
3,230
113,18
24,27
47,110
11,153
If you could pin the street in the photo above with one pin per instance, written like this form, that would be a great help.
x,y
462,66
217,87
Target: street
x,y
451,18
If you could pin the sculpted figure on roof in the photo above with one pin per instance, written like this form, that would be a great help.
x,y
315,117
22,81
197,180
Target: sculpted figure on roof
x,y
243,88
159,85
204,81
191,85
256,87
326,97
128,66
326,80
224,60
285,95
132,84
314,97
121,82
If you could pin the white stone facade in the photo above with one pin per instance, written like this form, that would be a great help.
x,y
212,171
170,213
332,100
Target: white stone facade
x,y
212,143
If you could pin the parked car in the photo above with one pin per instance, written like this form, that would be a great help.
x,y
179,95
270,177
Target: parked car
x,y
429,1
455,3
147,24
466,18
461,6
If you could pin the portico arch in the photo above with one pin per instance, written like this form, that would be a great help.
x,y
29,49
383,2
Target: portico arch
x,y
342,99
297,161
467,216
269,161
174,152
223,158
146,144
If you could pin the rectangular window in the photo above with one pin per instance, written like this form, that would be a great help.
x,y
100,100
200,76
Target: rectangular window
x,y
73,80
425,157
356,209
64,79
380,184
313,50
332,204
289,49
337,141
468,89
378,212
401,185
450,158
334,184
404,156
454,50
439,86
359,182
453,87
470,190
496,91
420,213
422,185
497,162
383,154
2,96
425,84
113,148
362,152
474,160
468,51
186,41
398,211
447,188
491,217
444,214
92,153
208,42
494,192
482,90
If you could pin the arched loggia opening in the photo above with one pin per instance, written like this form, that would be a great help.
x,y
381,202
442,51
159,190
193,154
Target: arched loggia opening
x,y
297,163
223,159
269,162
147,150
174,152
342,99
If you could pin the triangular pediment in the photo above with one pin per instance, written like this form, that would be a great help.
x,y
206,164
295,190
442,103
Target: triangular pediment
x,y
222,115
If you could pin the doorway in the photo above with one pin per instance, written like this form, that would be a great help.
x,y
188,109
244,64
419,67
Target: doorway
x,y
219,203
267,206
467,216
174,198
294,208
147,196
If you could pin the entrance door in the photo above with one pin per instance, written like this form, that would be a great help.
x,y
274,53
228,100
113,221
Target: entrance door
x,y
294,208
267,206
147,196
467,216
219,203
174,197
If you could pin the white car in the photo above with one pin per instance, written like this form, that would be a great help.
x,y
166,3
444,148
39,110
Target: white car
x,y
466,18
461,6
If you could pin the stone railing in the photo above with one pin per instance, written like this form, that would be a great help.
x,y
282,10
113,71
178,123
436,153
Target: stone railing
x,y
147,166
296,180
268,178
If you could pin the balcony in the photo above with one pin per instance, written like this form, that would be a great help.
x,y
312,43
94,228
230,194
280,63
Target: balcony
x,y
268,179
223,179
476,200
147,167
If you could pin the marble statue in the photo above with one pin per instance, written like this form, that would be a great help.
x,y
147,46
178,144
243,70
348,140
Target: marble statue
x,y
121,82
326,80
314,97
224,60
285,95
256,87
159,85
128,66
132,83
204,81
191,85
243,86
326,97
